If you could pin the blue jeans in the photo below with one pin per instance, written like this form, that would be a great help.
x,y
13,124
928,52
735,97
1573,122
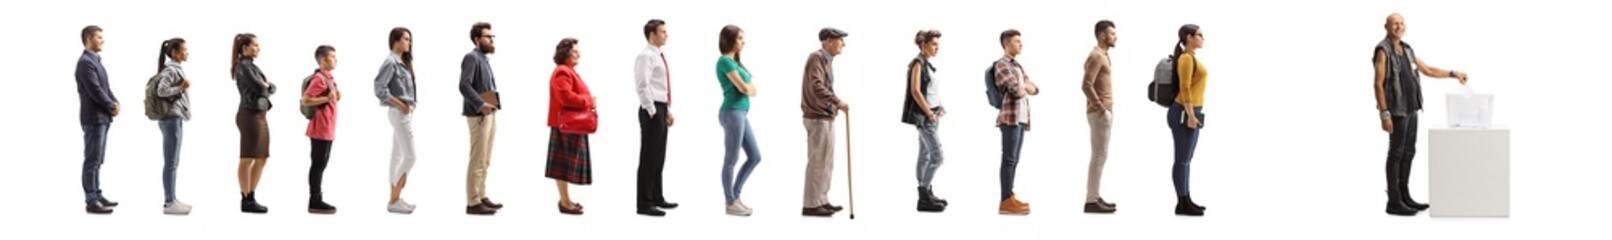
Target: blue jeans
x,y
930,156
94,155
1012,145
172,134
1186,143
736,133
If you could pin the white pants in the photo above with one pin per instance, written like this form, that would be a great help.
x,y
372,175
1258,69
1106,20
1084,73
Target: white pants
x,y
402,143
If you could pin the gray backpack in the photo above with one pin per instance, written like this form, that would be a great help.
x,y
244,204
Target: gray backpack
x,y
157,107
308,111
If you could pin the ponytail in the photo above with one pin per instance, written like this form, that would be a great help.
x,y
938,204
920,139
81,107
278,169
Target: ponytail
x,y
241,40
168,47
162,57
1181,38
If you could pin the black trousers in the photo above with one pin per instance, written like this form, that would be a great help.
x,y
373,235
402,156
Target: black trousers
x,y
651,155
1401,150
316,171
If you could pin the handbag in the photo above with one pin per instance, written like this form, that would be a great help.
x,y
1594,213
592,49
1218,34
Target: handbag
x,y
578,122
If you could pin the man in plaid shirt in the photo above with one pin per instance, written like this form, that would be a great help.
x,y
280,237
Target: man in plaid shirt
x,y
1014,118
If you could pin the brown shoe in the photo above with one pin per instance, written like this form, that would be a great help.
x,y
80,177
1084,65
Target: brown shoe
x,y
1015,199
832,207
1012,207
490,204
576,209
480,209
817,212
1099,207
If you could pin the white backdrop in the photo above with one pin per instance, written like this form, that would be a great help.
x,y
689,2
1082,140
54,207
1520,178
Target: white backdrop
x,y
1294,146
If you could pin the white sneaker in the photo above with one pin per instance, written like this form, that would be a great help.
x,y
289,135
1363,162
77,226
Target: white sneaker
x,y
406,203
176,208
400,207
741,205
738,210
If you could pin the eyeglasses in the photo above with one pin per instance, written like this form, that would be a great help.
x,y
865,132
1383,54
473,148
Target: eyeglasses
x,y
489,36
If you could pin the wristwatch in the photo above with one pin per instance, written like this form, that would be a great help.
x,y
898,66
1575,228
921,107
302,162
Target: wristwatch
x,y
1452,73
1386,115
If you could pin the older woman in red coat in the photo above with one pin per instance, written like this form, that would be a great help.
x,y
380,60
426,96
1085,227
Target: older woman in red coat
x,y
568,159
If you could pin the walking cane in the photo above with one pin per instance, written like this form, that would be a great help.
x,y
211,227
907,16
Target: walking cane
x,y
849,190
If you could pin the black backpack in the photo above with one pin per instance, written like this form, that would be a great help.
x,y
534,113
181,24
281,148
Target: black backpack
x,y
993,94
1166,83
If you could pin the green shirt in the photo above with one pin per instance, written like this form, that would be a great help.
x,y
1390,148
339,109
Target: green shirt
x,y
732,99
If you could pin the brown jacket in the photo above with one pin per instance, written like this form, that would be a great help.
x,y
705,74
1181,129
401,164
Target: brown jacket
x,y
817,97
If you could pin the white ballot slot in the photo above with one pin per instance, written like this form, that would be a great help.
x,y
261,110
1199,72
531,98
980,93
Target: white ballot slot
x,y
1469,109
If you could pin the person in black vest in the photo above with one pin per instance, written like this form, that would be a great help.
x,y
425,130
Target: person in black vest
x,y
1399,98
923,110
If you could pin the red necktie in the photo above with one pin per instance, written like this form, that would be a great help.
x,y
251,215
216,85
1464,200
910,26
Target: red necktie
x,y
668,79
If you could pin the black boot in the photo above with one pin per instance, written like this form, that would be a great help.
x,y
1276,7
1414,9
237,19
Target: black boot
x,y
1396,205
1404,197
249,204
926,202
931,194
1185,207
316,204
1404,190
1195,204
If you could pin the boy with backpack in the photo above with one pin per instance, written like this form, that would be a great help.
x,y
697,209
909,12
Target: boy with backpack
x,y
1014,89
319,97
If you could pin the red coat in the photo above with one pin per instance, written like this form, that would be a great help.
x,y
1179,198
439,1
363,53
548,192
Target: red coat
x,y
567,91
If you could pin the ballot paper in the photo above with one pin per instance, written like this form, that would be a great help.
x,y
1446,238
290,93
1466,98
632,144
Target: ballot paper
x,y
1469,109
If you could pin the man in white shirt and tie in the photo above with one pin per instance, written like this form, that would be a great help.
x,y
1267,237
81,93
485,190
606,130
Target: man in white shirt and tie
x,y
654,117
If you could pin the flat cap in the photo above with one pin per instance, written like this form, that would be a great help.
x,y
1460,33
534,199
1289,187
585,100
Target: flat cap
x,y
830,33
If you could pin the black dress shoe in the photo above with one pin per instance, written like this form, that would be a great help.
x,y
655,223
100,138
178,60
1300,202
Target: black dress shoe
x,y
1106,203
652,212
480,209
816,212
97,208
666,205
107,202
489,203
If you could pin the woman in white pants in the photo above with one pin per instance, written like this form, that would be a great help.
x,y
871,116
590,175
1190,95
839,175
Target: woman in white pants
x,y
394,85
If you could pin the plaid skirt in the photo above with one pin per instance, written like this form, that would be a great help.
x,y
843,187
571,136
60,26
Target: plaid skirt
x,y
568,158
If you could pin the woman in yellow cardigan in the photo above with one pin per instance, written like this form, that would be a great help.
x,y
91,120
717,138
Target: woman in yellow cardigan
x,y
1185,122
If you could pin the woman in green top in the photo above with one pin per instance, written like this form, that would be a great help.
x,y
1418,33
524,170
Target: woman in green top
x,y
736,93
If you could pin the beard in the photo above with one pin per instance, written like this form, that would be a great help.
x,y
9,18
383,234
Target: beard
x,y
487,49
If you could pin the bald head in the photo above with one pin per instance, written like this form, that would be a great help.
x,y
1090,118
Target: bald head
x,y
1395,26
